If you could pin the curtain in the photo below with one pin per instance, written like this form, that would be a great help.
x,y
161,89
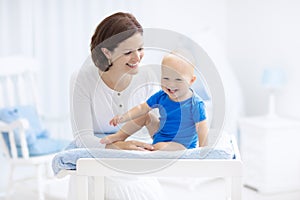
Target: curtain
x,y
57,33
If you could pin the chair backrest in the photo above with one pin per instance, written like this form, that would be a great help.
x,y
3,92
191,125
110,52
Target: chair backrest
x,y
18,77
9,146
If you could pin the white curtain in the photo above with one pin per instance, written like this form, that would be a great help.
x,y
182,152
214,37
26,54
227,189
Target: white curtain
x,y
57,33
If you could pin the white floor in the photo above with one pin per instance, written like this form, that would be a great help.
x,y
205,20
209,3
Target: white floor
x,y
252,195
205,189
214,190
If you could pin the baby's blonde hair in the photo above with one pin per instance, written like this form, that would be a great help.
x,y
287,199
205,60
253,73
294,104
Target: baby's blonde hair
x,y
186,55
183,55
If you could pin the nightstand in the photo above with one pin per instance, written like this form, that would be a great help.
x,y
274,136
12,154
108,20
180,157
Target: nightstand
x,y
270,150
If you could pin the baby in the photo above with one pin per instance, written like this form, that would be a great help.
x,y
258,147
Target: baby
x,y
182,121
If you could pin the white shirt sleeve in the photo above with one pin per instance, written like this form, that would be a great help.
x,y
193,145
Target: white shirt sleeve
x,y
81,112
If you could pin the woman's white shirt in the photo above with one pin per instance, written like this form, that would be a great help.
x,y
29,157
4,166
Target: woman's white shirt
x,y
93,103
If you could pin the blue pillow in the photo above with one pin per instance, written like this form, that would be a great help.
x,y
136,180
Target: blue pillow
x,y
30,113
44,146
41,146
35,130
38,139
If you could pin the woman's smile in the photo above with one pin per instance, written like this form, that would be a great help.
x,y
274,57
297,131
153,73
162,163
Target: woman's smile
x,y
135,65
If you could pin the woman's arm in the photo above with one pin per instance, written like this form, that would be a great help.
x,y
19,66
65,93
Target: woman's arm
x,y
202,130
81,113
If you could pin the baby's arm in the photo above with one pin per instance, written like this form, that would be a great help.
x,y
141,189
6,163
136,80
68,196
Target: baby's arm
x,y
132,114
202,131
118,136
168,146
128,129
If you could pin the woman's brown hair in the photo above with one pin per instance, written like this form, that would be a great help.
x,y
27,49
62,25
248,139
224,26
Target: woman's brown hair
x,y
109,33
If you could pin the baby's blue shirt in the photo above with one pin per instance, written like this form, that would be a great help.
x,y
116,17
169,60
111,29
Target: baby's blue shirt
x,y
177,119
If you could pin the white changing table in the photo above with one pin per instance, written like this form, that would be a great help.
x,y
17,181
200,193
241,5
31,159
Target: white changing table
x,y
230,169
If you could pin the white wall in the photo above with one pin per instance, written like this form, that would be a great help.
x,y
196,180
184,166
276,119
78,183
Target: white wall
x,y
258,34
189,18
265,34
58,32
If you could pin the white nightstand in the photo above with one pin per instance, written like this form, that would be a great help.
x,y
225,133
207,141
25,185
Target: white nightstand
x,y
270,150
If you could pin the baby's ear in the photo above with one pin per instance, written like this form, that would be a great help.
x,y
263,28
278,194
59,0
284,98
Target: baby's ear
x,y
193,79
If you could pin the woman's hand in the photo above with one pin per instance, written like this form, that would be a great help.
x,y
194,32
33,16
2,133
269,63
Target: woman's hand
x,y
130,145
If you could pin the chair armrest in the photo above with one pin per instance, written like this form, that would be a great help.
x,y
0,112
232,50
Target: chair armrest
x,y
21,125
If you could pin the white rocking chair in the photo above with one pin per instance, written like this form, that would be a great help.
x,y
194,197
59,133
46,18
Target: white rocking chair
x,y
18,87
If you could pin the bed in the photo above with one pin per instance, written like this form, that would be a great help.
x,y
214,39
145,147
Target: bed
x,y
210,162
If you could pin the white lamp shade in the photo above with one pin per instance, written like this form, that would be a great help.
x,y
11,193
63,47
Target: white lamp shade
x,y
273,78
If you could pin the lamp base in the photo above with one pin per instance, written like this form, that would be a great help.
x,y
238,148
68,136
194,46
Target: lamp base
x,y
272,105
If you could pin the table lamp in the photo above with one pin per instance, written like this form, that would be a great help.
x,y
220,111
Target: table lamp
x,y
273,79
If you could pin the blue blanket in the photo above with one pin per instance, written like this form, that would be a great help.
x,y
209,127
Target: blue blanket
x,y
67,159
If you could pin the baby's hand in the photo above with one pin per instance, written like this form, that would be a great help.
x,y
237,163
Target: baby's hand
x,y
116,120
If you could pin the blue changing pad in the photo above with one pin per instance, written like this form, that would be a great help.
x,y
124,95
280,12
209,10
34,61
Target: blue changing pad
x,y
67,159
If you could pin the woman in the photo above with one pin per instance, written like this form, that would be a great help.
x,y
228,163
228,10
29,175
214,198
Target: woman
x,y
108,85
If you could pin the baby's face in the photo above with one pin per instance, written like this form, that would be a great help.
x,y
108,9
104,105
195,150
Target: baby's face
x,y
176,79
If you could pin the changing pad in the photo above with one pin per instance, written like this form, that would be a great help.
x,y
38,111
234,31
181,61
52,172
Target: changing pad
x,y
66,160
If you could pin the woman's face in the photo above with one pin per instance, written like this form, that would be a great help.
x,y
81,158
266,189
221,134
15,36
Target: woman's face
x,y
127,55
